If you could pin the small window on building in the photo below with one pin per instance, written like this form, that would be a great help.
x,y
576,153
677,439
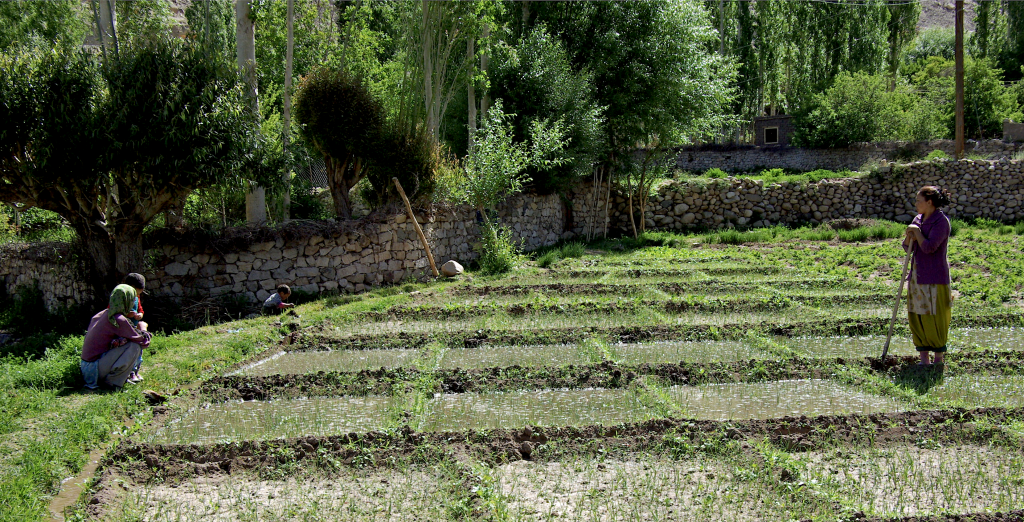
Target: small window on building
x,y
771,135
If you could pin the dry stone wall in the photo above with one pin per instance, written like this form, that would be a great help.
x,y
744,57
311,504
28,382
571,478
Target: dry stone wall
x,y
52,267
698,159
355,255
337,257
983,189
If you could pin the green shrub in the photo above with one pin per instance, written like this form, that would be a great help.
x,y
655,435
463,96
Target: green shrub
x,y
1006,230
573,250
548,259
936,155
856,235
498,252
1019,228
954,227
716,173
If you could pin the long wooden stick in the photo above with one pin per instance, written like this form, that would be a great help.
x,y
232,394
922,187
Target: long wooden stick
x,y
899,295
419,231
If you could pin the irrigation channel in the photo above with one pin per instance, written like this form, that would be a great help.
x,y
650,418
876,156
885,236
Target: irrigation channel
x,y
643,389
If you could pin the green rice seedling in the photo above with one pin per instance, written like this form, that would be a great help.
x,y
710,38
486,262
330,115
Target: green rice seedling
x,y
919,480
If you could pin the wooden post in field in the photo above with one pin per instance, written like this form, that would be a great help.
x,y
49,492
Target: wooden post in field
x,y
416,224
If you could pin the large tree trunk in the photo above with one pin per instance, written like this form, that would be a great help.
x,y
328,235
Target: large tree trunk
x,y
245,37
338,183
98,249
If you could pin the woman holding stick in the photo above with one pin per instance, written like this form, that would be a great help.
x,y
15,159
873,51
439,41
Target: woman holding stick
x,y
929,300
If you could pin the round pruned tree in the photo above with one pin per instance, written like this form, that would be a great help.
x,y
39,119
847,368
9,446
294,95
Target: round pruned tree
x,y
341,120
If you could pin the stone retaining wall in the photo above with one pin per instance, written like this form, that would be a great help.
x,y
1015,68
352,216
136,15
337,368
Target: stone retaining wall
x,y
354,255
984,189
336,257
746,158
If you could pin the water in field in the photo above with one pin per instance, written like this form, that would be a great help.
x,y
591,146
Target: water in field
x,y
848,347
980,391
262,420
690,352
294,363
768,400
1009,338
532,356
480,411
871,345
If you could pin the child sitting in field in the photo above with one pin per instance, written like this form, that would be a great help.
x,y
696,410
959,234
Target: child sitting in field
x,y
134,316
277,302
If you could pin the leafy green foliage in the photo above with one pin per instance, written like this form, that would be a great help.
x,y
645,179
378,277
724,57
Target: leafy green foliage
x,y
535,80
986,100
860,107
652,63
56,24
496,166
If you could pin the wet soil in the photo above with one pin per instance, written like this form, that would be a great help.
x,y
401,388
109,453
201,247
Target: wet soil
x,y
385,381
319,337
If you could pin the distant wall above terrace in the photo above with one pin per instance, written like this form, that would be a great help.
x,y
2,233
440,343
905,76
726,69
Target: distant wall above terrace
x,y
355,255
985,189
745,158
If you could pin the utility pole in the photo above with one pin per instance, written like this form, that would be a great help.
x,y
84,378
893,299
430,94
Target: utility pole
x,y
245,36
959,79
286,202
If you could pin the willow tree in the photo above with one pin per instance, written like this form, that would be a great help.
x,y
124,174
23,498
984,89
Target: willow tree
x,y
109,148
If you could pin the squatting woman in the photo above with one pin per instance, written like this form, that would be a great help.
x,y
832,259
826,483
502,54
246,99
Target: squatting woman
x,y
929,303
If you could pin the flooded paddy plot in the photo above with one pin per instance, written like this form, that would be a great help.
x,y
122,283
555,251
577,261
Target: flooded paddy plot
x,y
264,420
673,352
296,363
526,356
479,411
622,353
980,391
859,346
917,481
371,495
610,490
766,400
1008,338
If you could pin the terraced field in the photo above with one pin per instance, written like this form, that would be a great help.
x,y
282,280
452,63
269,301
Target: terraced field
x,y
690,383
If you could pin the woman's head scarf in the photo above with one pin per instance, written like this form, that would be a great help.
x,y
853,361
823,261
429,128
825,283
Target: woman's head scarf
x,y
121,301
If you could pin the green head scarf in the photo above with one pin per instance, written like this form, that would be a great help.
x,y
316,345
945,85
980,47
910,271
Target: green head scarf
x,y
121,301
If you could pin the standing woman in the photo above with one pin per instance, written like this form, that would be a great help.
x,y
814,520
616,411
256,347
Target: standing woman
x,y
929,304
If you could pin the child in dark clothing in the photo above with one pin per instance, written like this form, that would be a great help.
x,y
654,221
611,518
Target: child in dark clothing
x,y
276,303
